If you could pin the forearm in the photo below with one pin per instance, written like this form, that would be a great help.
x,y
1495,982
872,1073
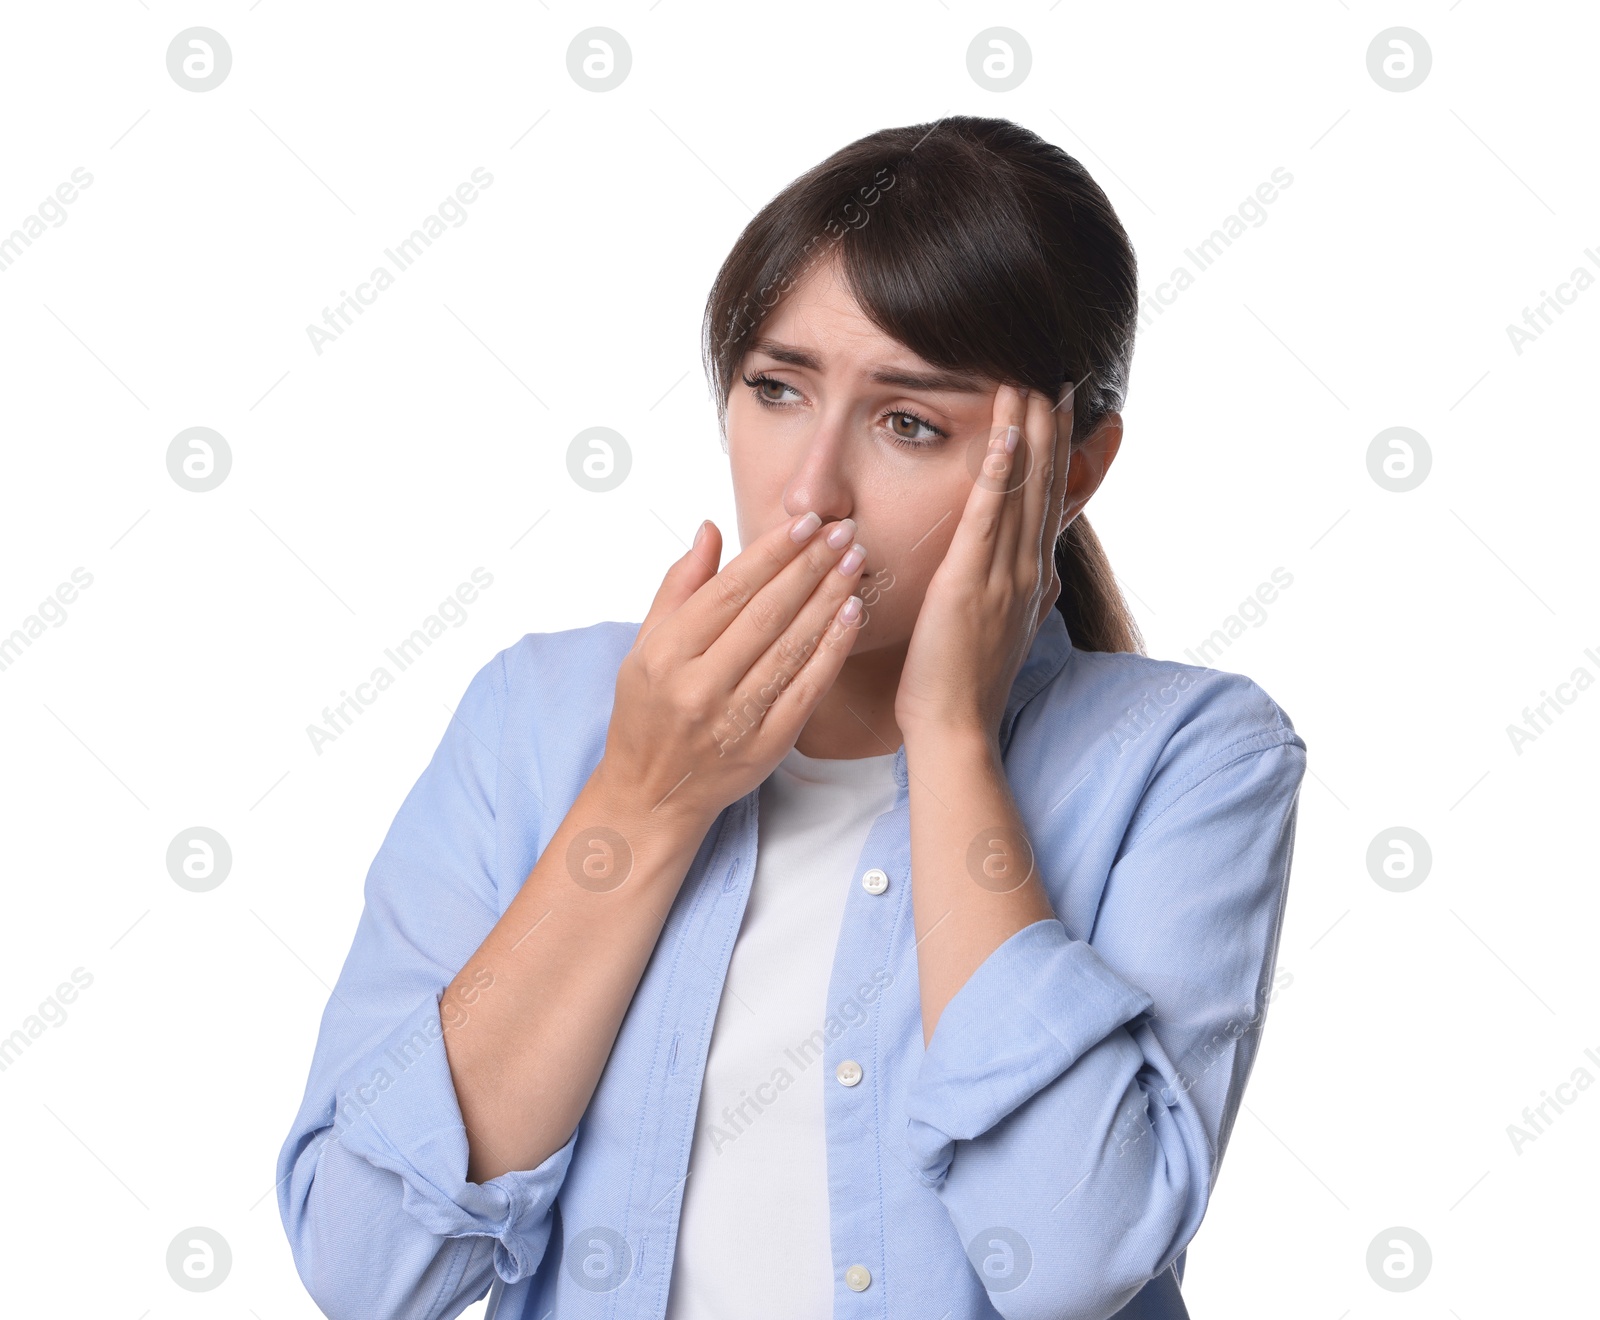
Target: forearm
x,y
974,881
531,1018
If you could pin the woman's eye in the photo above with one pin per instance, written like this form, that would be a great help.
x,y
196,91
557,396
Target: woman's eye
x,y
759,384
906,426
909,431
906,429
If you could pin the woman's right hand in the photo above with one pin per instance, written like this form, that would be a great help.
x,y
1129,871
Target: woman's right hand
x,y
728,666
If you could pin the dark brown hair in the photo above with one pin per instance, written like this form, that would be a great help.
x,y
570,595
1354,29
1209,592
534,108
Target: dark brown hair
x,y
982,248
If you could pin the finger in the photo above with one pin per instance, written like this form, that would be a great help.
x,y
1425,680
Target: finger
x,y
771,674
1063,416
685,577
1066,407
705,616
775,611
803,692
1035,475
1021,470
1044,424
1065,420
972,548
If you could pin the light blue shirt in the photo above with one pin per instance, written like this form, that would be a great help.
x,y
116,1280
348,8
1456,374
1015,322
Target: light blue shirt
x,y
1050,1153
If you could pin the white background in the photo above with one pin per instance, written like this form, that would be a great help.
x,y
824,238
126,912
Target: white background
x,y
369,480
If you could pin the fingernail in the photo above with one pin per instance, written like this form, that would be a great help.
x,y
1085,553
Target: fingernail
x,y
850,609
1013,434
853,558
699,536
803,528
841,533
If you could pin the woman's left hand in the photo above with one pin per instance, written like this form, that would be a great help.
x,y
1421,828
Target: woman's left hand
x,y
998,579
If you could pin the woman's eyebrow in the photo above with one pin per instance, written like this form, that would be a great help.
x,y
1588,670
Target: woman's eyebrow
x,y
957,381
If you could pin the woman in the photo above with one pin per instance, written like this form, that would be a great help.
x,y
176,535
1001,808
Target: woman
x,y
874,929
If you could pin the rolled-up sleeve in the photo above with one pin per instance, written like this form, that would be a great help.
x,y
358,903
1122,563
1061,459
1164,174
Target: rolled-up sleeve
x,y
1024,1017
372,1184
1078,1094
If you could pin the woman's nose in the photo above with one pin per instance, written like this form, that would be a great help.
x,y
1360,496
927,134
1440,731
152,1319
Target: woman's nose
x,y
819,484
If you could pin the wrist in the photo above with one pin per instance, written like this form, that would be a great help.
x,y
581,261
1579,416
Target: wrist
x,y
964,740
668,825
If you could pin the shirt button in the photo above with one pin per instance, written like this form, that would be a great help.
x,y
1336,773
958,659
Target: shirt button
x,y
858,1278
875,881
848,1073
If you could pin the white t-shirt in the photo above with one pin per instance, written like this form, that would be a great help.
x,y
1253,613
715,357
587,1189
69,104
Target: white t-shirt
x,y
753,1238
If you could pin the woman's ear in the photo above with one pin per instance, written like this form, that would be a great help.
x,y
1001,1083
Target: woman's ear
x,y
1089,463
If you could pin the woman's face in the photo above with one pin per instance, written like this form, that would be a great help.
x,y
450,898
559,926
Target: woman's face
x,y
850,423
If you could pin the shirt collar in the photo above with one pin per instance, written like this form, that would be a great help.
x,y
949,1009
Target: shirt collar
x,y
1046,657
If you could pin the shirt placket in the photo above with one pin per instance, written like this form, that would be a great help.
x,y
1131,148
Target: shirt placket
x,y
853,1080
684,991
